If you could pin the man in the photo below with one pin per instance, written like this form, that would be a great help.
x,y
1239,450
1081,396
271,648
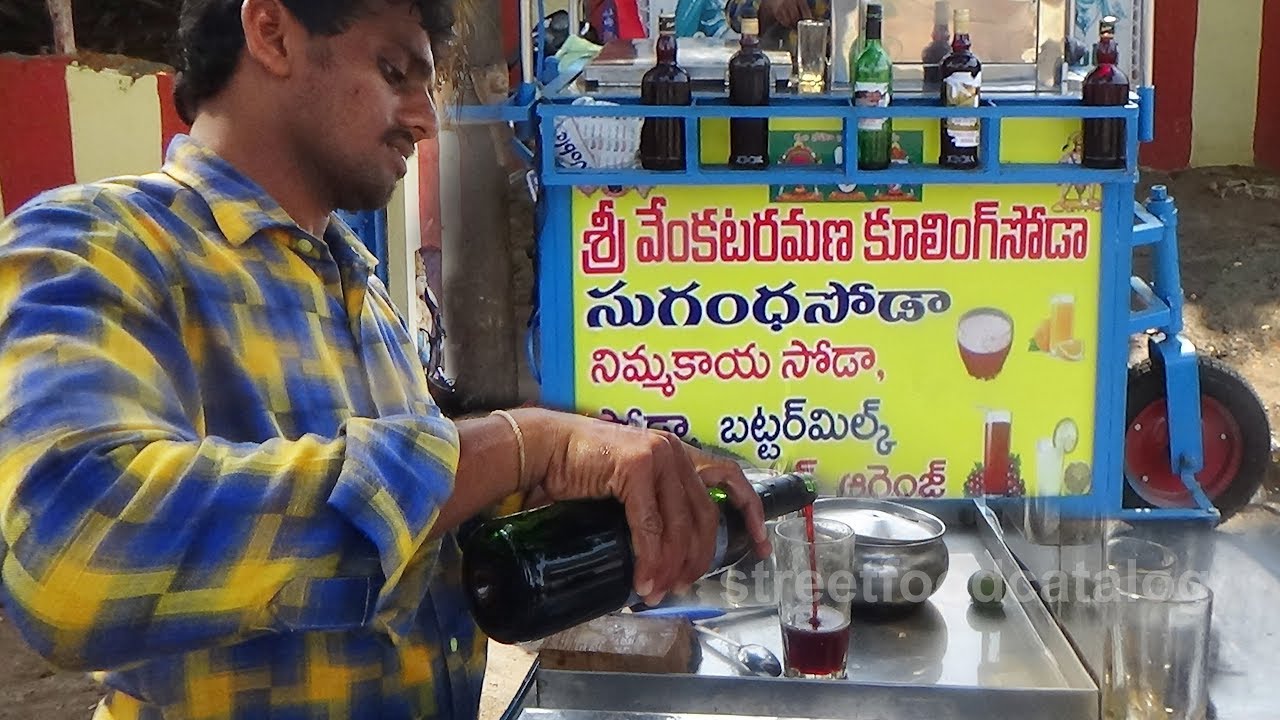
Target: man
x,y
225,484
778,18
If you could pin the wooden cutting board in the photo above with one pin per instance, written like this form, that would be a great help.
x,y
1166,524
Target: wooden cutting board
x,y
625,643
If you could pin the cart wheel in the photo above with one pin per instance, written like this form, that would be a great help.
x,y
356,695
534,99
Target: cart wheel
x,y
1235,433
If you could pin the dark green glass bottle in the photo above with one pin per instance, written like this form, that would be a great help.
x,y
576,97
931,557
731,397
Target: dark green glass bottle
x,y
873,87
535,573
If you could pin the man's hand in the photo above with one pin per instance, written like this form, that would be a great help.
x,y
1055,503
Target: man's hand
x,y
786,12
663,485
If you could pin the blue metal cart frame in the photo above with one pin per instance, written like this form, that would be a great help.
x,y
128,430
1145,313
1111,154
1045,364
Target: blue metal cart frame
x,y
1127,225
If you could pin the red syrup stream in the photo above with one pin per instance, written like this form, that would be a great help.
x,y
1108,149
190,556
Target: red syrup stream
x,y
810,535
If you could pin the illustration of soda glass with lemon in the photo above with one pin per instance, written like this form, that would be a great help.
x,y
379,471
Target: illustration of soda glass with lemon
x,y
1048,468
1053,474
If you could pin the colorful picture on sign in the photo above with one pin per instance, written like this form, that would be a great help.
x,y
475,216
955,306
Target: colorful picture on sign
x,y
823,147
1077,196
930,349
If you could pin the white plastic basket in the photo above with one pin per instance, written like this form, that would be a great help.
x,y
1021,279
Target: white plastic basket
x,y
597,142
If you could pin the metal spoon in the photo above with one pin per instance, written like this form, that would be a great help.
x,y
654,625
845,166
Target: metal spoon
x,y
757,659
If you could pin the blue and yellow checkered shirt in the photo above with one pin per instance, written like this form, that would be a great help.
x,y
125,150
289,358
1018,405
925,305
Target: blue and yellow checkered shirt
x,y
219,460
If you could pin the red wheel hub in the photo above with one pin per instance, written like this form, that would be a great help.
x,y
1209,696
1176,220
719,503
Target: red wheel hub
x,y
1146,454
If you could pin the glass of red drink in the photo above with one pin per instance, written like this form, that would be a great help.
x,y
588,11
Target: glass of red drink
x,y
995,452
813,567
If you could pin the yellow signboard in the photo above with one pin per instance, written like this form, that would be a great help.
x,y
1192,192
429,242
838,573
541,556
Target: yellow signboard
x,y
934,343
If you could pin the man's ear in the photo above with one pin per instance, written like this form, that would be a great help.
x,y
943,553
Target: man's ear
x,y
268,27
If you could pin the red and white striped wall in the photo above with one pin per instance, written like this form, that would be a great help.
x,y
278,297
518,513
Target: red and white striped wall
x,y
1217,67
62,122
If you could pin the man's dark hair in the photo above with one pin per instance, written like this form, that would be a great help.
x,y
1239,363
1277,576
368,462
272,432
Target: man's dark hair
x,y
211,38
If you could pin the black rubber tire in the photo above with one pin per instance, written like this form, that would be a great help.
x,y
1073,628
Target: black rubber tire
x,y
1221,382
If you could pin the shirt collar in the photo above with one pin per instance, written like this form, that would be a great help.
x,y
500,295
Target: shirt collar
x,y
240,207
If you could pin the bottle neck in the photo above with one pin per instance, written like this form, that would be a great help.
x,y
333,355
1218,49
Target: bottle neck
x,y
750,38
960,43
666,49
1108,52
874,30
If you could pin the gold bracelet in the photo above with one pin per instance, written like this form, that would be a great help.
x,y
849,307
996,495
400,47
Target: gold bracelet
x,y
515,427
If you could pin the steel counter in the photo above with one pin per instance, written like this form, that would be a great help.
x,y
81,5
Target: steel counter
x,y
943,661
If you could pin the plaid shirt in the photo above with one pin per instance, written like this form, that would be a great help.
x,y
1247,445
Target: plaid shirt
x,y
219,460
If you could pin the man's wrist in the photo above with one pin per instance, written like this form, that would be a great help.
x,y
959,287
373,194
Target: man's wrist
x,y
543,432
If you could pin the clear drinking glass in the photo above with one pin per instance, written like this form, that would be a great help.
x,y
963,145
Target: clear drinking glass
x,y
1155,663
814,582
811,55
1138,561
1127,555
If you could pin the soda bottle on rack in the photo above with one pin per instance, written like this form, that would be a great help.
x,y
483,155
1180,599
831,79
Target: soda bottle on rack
x,y
666,83
961,75
749,76
535,573
873,87
1105,139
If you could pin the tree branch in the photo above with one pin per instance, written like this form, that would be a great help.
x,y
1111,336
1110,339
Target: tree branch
x,y
64,30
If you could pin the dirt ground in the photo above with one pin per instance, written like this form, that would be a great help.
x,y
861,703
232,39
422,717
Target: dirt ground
x,y
1229,242
1230,248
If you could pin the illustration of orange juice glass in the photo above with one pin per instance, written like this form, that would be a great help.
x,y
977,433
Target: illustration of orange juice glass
x,y
995,452
1062,316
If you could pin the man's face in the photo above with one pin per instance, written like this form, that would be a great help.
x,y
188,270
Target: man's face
x,y
362,102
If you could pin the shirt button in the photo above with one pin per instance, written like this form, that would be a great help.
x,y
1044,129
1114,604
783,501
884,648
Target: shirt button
x,y
304,246
453,645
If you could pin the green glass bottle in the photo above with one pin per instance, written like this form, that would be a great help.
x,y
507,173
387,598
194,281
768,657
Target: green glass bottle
x,y
535,573
873,87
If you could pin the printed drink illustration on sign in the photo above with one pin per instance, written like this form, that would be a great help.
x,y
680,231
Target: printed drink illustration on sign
x,y
918,349
984,336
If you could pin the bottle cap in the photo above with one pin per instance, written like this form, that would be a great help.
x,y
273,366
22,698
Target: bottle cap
x,y
667,24
875,11
750,26
961,22
1108,26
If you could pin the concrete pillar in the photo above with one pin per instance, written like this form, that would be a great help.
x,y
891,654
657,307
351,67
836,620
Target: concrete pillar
x,y
480,347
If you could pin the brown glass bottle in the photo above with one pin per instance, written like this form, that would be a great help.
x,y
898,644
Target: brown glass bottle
x,y
666,83
961,75
1105,139
749,77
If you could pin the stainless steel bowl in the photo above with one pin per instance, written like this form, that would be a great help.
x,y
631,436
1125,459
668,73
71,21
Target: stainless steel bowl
x,y
899,555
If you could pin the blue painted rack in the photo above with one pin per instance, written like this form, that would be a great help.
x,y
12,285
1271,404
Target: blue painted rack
x,y
1129,305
